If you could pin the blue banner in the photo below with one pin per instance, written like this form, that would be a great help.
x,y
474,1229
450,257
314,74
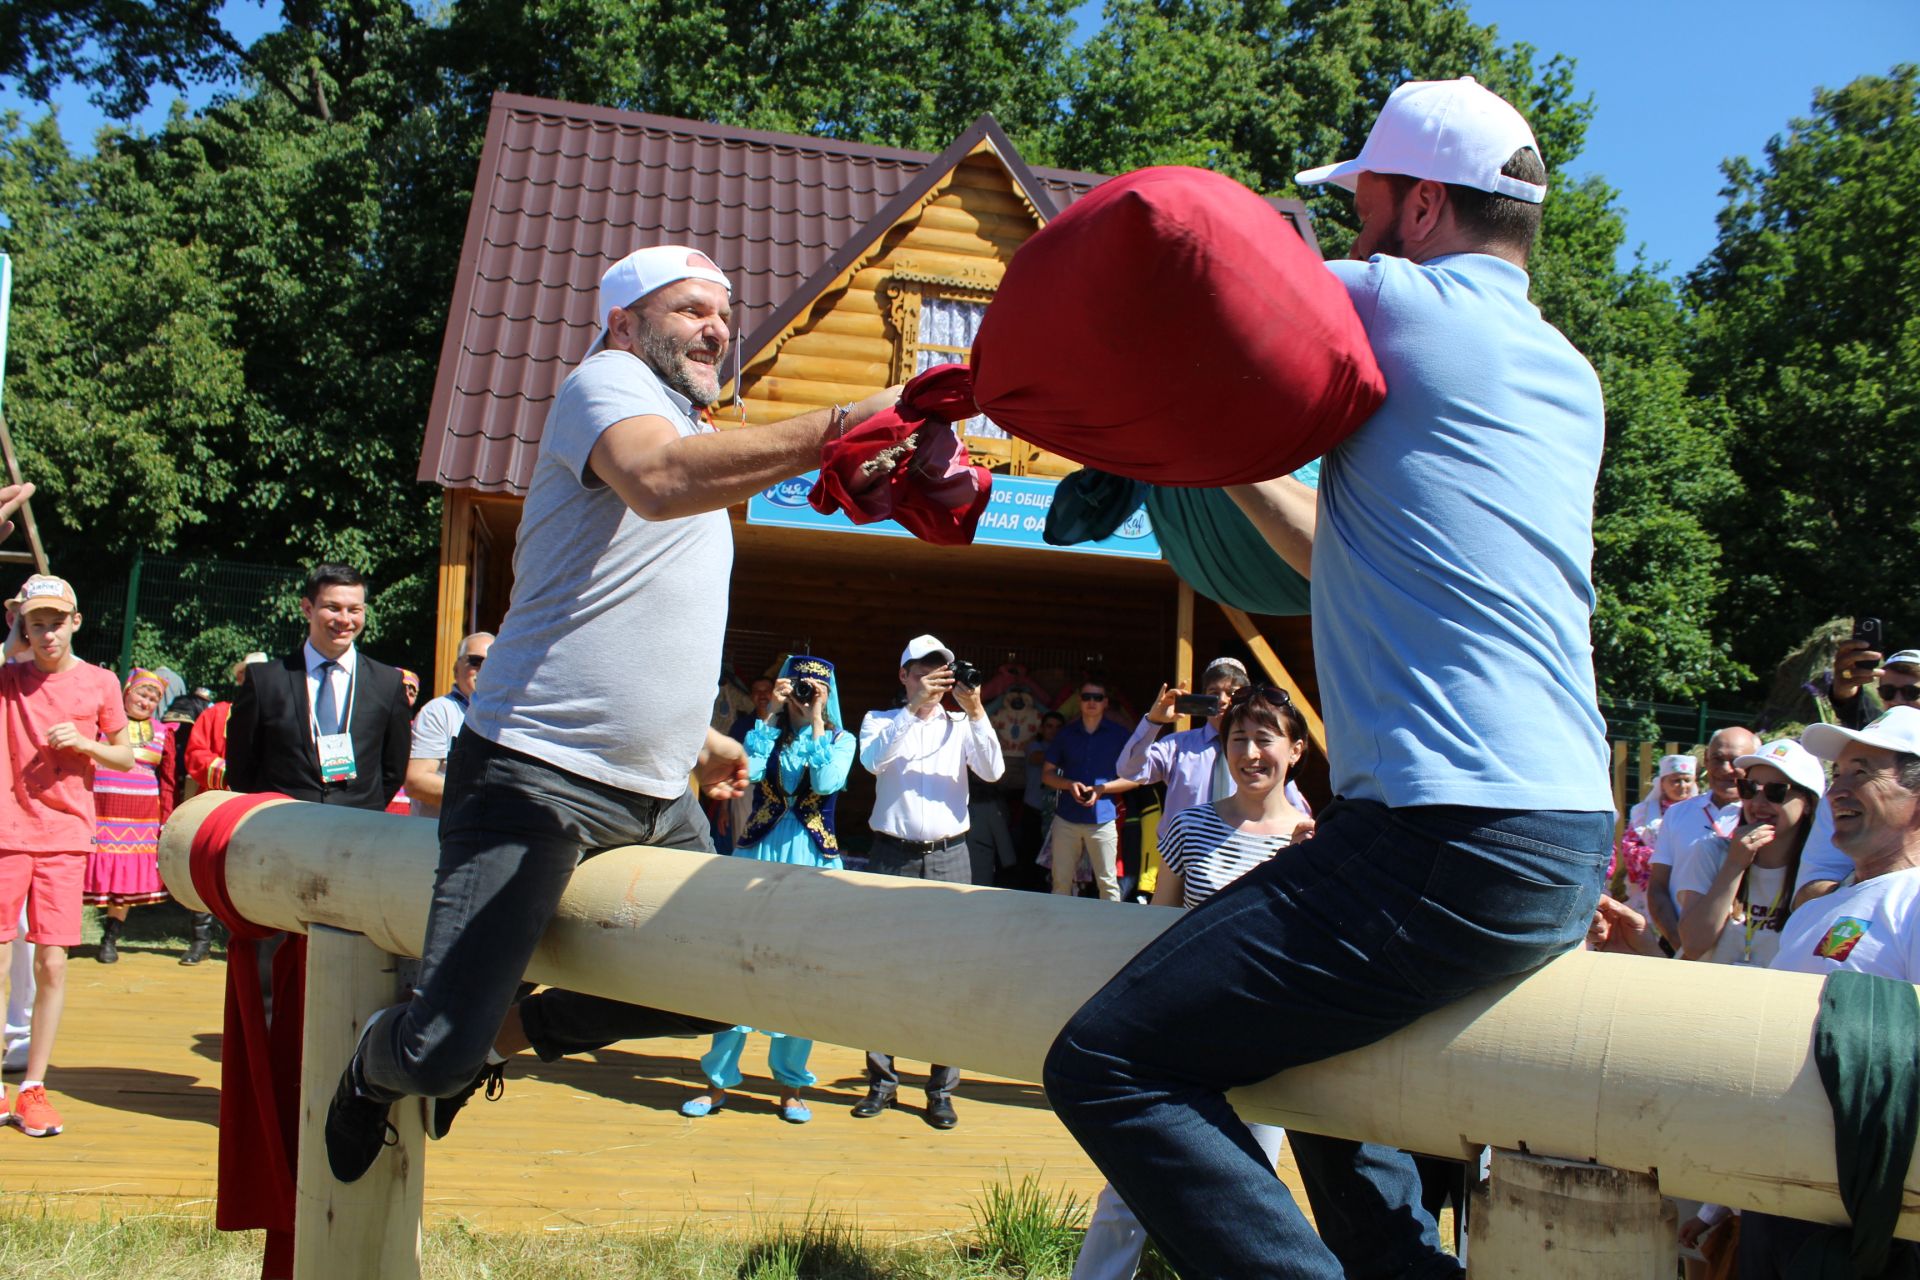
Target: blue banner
x,y
1015,517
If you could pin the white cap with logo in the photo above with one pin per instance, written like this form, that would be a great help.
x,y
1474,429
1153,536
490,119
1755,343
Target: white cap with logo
x,y
924,647
1897,729
644,270
1792,759
1453,131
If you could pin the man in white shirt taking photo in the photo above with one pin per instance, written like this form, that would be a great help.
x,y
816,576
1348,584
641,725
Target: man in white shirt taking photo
x,y
919,755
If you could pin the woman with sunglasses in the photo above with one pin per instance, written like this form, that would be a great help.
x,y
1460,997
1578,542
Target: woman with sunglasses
x,y
1203,849
1735,893
797,759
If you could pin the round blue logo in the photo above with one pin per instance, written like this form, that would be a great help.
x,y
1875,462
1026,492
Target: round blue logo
x,y
789,493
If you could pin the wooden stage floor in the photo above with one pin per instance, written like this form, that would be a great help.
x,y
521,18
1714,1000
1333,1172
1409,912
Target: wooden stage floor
x,y
595,1142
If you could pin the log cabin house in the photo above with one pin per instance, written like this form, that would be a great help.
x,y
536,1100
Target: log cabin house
x,y
854,267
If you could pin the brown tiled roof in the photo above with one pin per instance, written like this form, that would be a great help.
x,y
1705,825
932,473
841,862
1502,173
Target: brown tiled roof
x,y
566,189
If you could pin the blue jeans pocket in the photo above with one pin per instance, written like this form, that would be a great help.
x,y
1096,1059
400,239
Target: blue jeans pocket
x,y
1489,916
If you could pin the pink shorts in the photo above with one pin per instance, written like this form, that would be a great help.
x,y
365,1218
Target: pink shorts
x,y
49,883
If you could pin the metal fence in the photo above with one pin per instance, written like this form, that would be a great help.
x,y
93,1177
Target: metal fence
x,y
1639,733
197,616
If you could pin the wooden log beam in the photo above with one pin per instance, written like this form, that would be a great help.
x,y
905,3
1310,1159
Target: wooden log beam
x,y
1699,1074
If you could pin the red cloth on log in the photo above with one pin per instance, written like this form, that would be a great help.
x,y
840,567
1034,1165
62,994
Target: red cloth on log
x,y
259,1065
934,492
1172,327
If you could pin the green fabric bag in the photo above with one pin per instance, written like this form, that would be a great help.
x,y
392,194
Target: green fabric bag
x,y
1867,1046
1202,535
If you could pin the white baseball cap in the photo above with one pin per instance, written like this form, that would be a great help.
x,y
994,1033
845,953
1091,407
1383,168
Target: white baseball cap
x,y
1792,759
1904,658
644,270
1897,729
924,647
1670,765
1454,131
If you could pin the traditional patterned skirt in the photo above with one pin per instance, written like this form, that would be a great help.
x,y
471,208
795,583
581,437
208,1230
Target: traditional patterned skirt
x,y
123,870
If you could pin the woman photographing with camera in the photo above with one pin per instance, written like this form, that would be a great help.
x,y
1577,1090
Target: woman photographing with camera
x,y
797,760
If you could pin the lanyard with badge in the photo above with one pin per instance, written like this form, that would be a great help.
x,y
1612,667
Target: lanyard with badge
x,y
336,749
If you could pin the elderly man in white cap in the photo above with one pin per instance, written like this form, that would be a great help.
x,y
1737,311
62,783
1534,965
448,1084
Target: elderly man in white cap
x,y
1449,545
919,754
619,601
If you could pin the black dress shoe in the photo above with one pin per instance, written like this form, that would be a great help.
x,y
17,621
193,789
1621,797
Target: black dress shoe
x,y
872,1105
940,1113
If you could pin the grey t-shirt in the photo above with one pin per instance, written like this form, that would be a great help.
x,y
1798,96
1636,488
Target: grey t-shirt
x,y
606,662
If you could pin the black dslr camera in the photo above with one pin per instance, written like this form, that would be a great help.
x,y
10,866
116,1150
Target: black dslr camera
x,y
804,691
965,674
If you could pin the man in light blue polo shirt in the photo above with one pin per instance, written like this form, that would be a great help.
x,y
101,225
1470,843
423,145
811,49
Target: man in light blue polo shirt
x,y
1449,547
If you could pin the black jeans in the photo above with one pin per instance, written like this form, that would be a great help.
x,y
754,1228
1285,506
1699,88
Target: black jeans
x,y
512,829
1383,916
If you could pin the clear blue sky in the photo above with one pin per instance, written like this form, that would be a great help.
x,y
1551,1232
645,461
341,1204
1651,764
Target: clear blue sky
x,y
1679,85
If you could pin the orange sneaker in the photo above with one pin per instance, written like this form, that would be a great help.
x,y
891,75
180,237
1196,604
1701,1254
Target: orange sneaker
x,y
34,1114
5,1104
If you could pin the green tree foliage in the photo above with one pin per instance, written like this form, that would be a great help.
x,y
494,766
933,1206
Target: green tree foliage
x,y
1809,333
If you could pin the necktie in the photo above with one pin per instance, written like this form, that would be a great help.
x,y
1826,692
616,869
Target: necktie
x,y
326,708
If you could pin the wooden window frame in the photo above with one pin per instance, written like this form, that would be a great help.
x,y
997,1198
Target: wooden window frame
x,y
901,295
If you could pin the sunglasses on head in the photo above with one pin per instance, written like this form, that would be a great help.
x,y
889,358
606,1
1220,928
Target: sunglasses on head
x,y
1092,695
1775,792
1900,693
1265,692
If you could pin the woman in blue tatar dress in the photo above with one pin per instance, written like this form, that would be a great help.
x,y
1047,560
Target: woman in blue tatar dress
x,y
797,759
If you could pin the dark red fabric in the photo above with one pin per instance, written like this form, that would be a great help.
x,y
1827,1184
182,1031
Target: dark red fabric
x,y
259,1065
1172,327
935,493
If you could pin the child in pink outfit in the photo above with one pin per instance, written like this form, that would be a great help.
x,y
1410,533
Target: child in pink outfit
x,y
59,717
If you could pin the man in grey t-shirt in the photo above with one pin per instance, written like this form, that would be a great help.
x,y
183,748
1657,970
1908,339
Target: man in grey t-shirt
x,y
598,691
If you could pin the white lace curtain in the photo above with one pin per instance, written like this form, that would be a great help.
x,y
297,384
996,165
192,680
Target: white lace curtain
x,y
951,324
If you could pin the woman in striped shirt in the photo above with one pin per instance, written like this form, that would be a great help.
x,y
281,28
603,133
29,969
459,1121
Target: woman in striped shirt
x,y
1208,847
1203,849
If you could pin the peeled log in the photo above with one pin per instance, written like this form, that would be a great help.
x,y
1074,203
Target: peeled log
x,y
1701,1074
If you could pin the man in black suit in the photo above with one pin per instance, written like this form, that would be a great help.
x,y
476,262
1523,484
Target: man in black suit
x,y
325,723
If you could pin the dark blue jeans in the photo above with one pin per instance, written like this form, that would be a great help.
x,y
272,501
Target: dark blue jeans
x,y
512,830
1383,916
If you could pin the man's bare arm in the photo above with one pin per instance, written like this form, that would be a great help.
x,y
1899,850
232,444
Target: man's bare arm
x,y
1285,512
662,475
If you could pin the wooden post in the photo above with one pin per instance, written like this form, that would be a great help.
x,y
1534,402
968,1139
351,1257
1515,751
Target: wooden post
x,y
1183,650
370,1229
1573,1221
1278,673
456,584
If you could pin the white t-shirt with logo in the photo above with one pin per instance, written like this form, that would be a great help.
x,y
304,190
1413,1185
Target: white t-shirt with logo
x,y
1871,927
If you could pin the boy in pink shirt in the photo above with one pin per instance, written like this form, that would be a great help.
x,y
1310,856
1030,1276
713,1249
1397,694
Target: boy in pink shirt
x,y
59,717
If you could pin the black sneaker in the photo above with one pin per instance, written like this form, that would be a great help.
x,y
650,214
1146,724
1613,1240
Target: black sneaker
x,y
357,1126
440,1119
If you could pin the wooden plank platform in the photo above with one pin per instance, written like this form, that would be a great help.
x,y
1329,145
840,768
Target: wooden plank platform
x,y
589,1143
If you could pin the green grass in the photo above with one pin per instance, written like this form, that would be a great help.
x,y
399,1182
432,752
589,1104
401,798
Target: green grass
x,y
1022,1231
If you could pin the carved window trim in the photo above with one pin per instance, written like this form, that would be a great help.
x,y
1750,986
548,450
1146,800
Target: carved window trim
x,y
901,295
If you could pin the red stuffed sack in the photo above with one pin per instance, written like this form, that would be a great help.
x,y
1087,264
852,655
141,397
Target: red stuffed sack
x,y
1173,327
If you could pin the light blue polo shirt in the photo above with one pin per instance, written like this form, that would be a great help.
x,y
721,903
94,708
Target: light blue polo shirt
x,y
1452,584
